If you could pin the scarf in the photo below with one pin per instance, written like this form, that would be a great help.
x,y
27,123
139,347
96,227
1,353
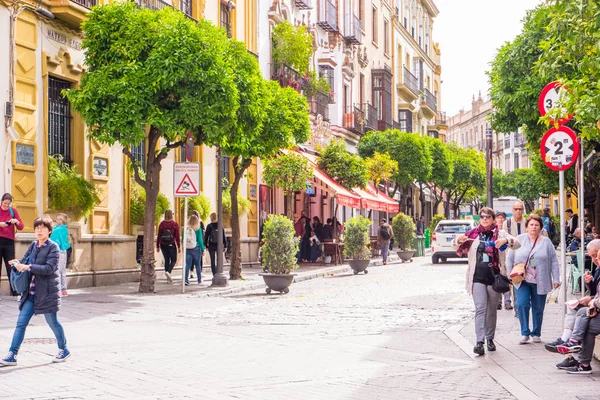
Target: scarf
x,y
475,233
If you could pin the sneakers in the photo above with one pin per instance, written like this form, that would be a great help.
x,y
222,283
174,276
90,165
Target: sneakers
x,y
10,359
499,306
536,339
551,347
524,340
187,284
572,346
478,349
567,363
61,356
64,293
580,369
508,306
490,345
168,275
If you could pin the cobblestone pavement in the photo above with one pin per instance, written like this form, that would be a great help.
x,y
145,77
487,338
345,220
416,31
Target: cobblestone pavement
x,y
404,331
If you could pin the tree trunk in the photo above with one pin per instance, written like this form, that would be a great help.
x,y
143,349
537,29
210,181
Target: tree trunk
x,y
290,204
528,206
447,206
422,199
235,269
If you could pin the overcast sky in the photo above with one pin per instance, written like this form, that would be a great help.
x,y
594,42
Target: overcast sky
x,y
469,33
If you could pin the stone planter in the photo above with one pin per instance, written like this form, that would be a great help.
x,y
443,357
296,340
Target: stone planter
x,y
278,282
359,266
405,255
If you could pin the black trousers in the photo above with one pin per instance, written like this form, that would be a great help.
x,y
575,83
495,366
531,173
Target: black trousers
x,y
7,252
213,260
170,255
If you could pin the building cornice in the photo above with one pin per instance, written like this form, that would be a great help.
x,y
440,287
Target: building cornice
x,y
415,45
431,7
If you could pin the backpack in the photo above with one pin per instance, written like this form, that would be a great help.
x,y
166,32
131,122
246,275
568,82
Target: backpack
x,y
546,221
384,233
214,236
190,238
166,237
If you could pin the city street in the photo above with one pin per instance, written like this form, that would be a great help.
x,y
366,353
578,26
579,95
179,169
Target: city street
x,y
404,331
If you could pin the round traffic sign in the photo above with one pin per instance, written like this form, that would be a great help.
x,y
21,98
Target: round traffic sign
x,y
559,148
550,99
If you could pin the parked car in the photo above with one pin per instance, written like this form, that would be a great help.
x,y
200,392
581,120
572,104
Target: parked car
x,y
445,232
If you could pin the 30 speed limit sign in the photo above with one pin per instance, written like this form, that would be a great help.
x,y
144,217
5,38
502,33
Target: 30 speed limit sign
x,y
559,148
550,99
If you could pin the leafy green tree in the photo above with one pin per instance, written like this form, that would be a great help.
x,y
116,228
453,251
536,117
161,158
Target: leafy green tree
x,y
292,46
376,142
155,75
380,167
274,118
423,175
290,173
441,169
349,170
524,183
468,177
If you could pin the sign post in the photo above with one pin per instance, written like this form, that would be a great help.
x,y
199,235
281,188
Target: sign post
x,y
186,179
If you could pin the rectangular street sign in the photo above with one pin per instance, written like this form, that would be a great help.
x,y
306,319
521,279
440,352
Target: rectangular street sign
x,y
186,179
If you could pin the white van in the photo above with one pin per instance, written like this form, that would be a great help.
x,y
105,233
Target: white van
x,y
445,232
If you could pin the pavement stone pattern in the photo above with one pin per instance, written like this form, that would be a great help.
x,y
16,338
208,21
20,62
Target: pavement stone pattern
x,y
401,332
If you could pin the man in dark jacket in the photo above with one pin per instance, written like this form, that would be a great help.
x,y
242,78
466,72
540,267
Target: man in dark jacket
x,y
211,240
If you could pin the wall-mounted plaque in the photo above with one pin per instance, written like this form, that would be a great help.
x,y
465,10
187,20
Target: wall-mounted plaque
x,y
25,154
100,166
252,191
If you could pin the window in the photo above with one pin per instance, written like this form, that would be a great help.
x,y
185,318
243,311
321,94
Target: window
x,y
405,120
186,7
386,42
516,161
405,23
361,13
139,154
375,25
419,72
59,120
327,72
361,89
226,19
507,163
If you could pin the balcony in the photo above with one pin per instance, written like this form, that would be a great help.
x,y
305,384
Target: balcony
x,y
354,120
86,3
371,116
72,13
428,104
319,105
383,125
327,18
185,6
286,76
353,34
408,88
303,4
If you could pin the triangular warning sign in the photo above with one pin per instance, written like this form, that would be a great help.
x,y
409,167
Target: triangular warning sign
x,y
186,187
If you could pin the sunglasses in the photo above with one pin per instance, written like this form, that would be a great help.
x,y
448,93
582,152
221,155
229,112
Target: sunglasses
x,y
517,209
485,216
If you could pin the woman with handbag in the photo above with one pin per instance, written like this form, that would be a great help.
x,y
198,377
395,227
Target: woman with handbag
x,y
534,272
486,276
10,221
42,295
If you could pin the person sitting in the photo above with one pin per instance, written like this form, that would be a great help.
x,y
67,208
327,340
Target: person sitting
x,y
327,231
315,247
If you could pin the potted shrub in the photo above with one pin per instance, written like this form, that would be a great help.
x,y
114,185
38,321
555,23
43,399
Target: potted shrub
x,y
279,253
404,234
357,243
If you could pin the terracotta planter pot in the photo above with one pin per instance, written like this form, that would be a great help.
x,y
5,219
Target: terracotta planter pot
x,y
359,265
405,255
278,282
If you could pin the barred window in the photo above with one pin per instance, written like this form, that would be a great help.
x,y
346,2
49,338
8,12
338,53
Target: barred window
x,y
186,7
139,154
226,19
59,120
405,120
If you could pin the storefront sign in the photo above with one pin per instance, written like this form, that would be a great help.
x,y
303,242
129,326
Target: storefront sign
x,y
64,39
25,154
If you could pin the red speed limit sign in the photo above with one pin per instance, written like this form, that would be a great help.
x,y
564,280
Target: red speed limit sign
x,y
550,99
559,148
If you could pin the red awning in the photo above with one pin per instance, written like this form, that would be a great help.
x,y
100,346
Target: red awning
x,y
388,204
370,201
343,196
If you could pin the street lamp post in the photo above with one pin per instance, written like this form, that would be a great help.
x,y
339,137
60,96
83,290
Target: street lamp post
x,y
490,194
219,279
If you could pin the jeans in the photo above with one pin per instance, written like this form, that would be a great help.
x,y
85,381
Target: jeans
x,y
23,321
7,252
193,258
527,298
385,250
486,311
213,258
62,269
170,254
585,331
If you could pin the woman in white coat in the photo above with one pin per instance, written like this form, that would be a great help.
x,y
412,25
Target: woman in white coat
x,y
484,247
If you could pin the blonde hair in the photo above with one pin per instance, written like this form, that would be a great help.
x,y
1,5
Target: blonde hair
x,y
194,222
61,219
213,217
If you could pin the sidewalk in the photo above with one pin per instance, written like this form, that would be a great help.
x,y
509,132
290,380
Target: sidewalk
x,y
528,371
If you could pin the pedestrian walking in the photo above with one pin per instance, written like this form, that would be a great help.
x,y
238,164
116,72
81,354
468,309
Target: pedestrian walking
x,y
60,236
10,222
515,225
42,297
211,240
550,226
420,228
194,248
384,236
537,256
197,214
504,297
482,247
168,241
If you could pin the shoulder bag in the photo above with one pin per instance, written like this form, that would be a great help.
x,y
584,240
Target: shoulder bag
x,y
517,275
19,280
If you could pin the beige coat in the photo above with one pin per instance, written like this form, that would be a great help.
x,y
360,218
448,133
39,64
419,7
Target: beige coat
x,y
513,244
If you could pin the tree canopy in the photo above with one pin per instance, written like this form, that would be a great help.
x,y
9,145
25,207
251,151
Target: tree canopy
x,y
349,170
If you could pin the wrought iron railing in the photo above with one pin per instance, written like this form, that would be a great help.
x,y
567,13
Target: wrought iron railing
x,y
371,116
86,3
353,29
319,104
327,18
430,100
185,6
354,120
442,119
286,76
383,125
411,82
303,4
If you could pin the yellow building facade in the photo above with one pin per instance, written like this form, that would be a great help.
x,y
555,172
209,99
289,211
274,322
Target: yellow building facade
x,y
43,56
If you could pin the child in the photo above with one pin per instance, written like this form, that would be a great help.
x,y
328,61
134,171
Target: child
x,y
60,236
315,247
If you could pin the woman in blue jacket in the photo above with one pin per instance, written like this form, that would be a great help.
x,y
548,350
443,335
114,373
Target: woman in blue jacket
x,y
42,297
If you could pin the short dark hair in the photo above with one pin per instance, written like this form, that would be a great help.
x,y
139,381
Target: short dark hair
x,y
534,217
7,196
44,220
569,210
488,211
383,220
329,221
501,214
